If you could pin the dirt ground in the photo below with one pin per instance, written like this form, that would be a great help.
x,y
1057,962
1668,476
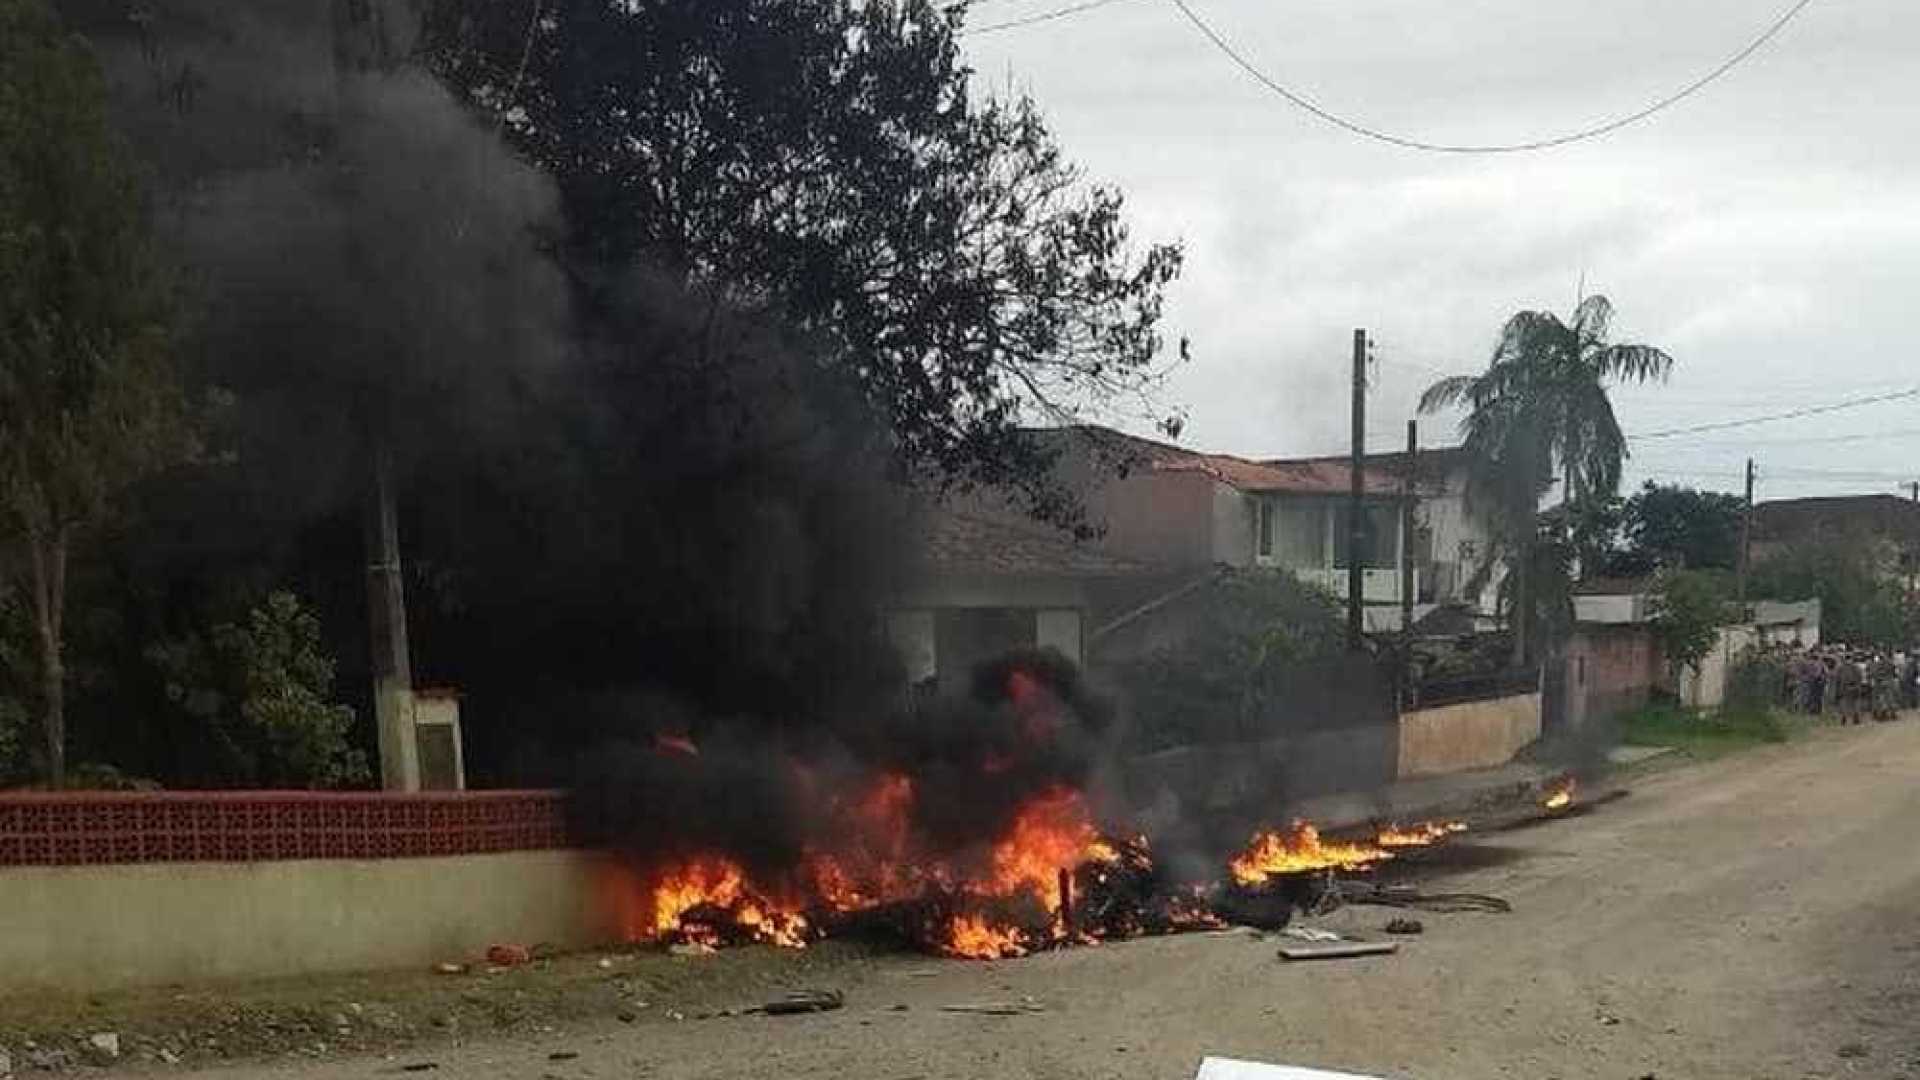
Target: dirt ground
x,y
1752,917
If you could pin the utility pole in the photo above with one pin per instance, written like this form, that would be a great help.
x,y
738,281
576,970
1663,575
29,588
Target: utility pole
x,y
366,44
1746,542
1913,486
1408,495
1356,521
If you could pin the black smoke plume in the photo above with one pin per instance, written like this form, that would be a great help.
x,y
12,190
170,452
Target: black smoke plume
x,y
633,515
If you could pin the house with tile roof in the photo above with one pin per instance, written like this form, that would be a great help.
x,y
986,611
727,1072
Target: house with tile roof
x,y
990,580
1176,507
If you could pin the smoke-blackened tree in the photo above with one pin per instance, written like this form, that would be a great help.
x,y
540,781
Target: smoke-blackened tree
x,y
830,159
89,398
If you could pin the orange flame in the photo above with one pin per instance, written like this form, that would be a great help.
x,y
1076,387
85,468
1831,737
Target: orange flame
x,y
1561,796
972,937
1299,848
1418,835
1051,833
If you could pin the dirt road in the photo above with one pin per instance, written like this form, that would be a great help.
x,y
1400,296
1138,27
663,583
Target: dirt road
x,y
1755,917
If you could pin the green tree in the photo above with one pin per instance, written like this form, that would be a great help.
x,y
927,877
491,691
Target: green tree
x,y
263,687
1860,603
1689,607
89,398
832,159
1671,525
1541,410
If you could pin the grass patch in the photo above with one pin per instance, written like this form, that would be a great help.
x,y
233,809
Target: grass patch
x,y
1702,734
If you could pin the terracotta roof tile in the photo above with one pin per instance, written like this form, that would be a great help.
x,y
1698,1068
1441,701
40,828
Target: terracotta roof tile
x,y
975,542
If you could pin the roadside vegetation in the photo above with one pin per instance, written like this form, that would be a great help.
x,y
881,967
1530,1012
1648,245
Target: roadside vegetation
x,y
1703,734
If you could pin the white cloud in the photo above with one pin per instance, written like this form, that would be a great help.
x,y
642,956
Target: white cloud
x,y
1765,231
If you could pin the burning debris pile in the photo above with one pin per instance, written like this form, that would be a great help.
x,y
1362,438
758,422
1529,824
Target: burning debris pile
x,y
976,833
1560,794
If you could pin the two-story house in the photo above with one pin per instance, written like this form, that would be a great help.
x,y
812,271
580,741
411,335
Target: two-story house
x,y
1173,507
1451,542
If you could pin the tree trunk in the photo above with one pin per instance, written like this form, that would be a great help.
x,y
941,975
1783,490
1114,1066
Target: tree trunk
x,y
47,558
1522,603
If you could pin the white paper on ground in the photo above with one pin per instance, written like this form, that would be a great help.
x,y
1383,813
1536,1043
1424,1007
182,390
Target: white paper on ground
x,y
1217,1068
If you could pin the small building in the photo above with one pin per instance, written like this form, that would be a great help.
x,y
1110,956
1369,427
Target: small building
x,y
990,581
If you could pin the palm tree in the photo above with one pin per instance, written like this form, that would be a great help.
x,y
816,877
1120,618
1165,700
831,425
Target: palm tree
x,y
1539,410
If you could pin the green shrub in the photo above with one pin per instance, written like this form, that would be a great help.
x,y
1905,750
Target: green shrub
x,y
262,687
1249,643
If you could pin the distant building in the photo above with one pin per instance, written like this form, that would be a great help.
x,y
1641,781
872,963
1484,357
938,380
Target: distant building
x,y
1176,508
1888,523
991,581
1451,543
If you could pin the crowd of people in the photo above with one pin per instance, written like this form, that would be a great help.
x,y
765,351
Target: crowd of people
x,y
1845,682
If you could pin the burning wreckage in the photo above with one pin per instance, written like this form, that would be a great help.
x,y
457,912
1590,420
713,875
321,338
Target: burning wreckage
x,y
971,835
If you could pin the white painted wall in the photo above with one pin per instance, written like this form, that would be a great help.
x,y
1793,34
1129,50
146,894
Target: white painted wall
x,y
1060,628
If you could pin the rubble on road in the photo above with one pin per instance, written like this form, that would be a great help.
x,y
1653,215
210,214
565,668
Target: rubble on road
x,y
804,1001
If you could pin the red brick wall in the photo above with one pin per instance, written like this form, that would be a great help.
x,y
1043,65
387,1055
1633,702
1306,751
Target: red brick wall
x,y
76,828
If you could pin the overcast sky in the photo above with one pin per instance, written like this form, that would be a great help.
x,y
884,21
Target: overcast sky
x,y
1766,232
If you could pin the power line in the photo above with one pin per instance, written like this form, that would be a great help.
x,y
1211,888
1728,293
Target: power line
x,y
1902,433
1794,414
1301,101
1039,17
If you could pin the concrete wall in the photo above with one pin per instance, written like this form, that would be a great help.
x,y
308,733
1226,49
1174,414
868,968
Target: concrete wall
x,y
1705,686
1610,670
1470,735
1166,518
1233,527
95,927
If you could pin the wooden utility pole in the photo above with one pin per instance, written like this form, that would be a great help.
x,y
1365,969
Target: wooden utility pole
x,y
1408,496
1746,541
1356,489
1913,486
367,43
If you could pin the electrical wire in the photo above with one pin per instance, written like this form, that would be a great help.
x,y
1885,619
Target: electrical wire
x,y
1307,104
1792,414
1040,17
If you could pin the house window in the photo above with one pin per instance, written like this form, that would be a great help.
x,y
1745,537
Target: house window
x,y
1299,533
1265,547
1379,537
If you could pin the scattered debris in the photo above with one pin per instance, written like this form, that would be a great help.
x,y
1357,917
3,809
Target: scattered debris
x,y
450,968
605,963
509,955
6,1062
1338,950
1022,1007
1607,1019
1346,891
563,1055
103,1047
1406,926
420,1066
804,1001
1852,1050
1217,1068
627,1016
691,948
49,1059
1309,933
166,1055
